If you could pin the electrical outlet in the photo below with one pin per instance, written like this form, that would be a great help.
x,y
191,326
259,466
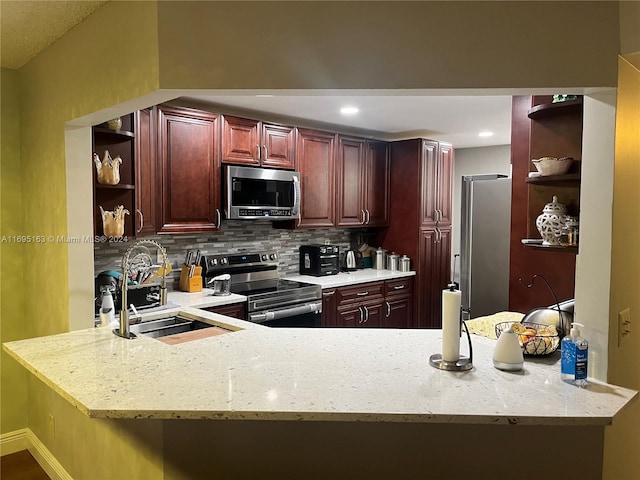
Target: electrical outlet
x,y
624,325
52,426
327,241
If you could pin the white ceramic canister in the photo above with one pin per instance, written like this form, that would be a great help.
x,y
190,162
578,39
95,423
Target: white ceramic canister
x,y
551,222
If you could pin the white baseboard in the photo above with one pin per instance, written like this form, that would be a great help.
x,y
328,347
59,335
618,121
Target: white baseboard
x,y
25,439
12,442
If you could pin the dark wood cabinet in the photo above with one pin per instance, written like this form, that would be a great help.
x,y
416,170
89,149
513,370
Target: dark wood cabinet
x,y
420,219
109,197
234,310
315,160
398,303
329,305
372,304
146,195
255,143
435,266
188,170
362,182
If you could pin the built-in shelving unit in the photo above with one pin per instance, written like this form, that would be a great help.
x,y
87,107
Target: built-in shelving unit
x,y
553,109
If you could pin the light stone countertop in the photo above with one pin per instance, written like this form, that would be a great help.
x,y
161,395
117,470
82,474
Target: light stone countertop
x,y
344,279
323,374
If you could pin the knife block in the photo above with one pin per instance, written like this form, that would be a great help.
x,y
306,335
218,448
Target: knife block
x,y
190,284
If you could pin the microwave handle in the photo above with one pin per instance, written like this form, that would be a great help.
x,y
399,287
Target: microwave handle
x,y
295,210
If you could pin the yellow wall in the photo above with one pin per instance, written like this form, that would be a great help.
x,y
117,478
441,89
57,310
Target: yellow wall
x,y
127,50
13,386
624,360
108,59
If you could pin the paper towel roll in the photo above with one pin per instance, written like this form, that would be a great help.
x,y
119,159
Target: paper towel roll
x,y
451,325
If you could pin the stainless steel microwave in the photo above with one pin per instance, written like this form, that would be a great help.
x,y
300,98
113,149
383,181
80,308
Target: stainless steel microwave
x,y
251,193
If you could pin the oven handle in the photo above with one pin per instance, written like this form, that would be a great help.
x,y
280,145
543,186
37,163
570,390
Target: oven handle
x,y
262,317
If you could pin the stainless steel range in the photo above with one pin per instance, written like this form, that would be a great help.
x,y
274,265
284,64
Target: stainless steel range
x,y
271,300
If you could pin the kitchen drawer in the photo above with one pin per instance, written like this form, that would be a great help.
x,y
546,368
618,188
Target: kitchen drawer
x,y
361,292
399,287
235,310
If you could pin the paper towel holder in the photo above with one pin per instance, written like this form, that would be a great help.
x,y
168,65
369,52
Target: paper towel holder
x,y
461,365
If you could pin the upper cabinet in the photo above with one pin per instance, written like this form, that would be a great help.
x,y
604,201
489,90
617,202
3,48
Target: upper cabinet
x,y
315,152
437,177
362,182
255,143
114,181
188,170
146,196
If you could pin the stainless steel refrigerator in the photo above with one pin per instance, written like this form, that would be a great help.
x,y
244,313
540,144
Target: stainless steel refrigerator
x,y
485,227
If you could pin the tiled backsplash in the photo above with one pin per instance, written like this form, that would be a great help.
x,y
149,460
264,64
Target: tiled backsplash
x,y
235,236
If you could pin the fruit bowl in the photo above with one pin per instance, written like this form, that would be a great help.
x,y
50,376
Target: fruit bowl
x,y
534,338
552,165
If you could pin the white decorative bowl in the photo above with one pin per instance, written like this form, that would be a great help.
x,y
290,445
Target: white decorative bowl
x,y
552,165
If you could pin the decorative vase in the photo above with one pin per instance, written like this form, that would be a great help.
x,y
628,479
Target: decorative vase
x,y
113,222
108,169
115,124
551,222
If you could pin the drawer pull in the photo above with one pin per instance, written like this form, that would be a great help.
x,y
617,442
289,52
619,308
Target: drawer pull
x,y
362,294
398,287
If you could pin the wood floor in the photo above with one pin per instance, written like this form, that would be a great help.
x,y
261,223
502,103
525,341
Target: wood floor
x,y
21,466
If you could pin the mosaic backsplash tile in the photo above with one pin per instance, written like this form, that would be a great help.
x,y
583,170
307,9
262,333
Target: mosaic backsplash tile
x,y
235,236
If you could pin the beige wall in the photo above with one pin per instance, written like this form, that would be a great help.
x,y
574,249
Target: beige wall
x,y
387,44
621,459
130,50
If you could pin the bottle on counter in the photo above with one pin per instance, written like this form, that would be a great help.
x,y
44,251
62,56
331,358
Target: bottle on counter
x,y
107,309
575,355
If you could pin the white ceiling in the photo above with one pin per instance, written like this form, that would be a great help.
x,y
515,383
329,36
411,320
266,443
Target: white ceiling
x,y
394,115
29,27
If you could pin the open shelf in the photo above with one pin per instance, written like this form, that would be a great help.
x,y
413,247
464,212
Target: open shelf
x,y
120,186
566,179
106,136
559,248
552,109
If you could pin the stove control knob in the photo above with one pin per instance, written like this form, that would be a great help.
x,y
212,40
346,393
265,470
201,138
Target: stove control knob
x,y
272,256
264,257
223,261
213,262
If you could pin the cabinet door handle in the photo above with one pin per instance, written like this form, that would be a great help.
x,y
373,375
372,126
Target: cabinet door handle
x,y
361,315
366,314
141,220
368,217
362,294
258,148
218,218
388,309
363,216
265,152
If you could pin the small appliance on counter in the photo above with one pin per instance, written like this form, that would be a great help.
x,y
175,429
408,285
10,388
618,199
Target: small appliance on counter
x,y
319,260
352,260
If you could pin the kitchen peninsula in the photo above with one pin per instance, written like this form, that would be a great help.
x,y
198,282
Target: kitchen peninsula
x,y
309,403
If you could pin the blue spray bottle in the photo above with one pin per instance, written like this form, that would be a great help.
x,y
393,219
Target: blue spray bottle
x,y
575,355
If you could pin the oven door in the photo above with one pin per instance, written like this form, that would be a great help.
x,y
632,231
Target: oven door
x,y
307,315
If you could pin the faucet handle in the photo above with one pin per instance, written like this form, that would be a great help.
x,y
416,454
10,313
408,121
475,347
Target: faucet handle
x,y
136,316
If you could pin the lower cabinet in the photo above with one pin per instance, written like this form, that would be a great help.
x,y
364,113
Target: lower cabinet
x,y
234,310
375,304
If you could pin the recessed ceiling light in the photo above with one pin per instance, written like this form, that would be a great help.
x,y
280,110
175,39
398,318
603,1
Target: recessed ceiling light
x,y
349,110
485,134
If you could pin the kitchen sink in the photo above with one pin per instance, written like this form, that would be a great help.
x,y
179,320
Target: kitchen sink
x,y
167,326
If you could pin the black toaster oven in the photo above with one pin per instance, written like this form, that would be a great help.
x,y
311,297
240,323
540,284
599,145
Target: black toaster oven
x,y
319,260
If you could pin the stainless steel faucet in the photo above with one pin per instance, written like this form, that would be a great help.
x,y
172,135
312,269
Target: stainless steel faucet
x,y
124,331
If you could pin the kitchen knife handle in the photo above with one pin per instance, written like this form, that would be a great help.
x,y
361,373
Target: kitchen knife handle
x,y
141,220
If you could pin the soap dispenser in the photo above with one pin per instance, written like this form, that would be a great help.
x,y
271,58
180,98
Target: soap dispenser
x,y
575,356
507,354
